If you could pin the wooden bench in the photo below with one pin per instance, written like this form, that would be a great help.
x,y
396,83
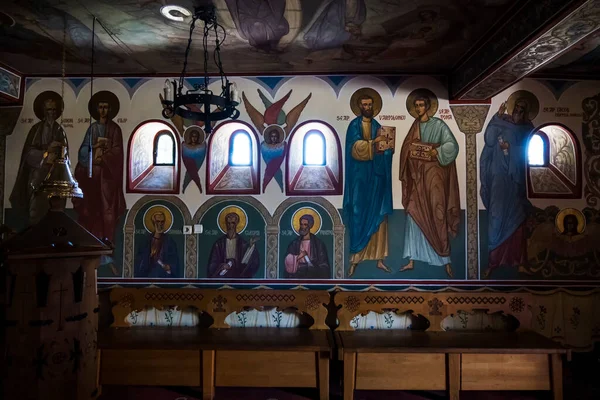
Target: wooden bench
x,y
219,355
455,360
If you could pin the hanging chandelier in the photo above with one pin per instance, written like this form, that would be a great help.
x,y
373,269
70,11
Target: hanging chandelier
x,y
201,98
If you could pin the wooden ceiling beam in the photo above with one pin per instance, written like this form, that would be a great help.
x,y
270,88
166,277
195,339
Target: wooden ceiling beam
x,y
537,33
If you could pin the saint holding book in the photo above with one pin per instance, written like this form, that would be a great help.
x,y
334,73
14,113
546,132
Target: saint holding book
x,y
430,193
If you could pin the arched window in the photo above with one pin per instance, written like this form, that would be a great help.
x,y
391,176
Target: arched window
x,y
314,149
240,149
164,149
553,163
314,160
153,159
233,165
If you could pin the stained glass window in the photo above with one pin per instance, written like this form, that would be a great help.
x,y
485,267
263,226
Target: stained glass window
x,y
314,148
240,152
536,150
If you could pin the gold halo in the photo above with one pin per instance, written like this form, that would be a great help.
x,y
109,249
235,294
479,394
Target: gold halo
x,y
232,209
310,211
525,95
154,210
560,219
377,101
190,129
104,96
279,130
38,103
410,102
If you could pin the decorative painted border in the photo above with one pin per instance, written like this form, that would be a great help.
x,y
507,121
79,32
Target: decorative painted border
x,y
567,33
470,120
190,258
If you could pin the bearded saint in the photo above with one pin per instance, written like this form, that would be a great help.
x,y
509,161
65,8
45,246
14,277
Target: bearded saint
x,y
503,188
307,255
368,189
430,193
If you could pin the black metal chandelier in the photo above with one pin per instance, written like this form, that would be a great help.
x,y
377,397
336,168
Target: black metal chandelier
x,y
176,102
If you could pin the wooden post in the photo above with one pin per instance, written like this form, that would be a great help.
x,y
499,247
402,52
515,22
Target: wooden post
x,y
349,375
557,376
323,368
454,376
208,374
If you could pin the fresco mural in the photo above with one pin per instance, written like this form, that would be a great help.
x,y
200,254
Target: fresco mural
x,y
430,193
45,141
563,243
397,222
193,153
233,242
368,191
275,126
159,248
305,242
264,36
503,181
101,151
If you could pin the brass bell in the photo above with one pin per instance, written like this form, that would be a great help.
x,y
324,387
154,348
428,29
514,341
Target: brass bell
x,y
59,182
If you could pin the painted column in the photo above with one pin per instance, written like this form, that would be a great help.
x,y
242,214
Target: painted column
x,y
470,119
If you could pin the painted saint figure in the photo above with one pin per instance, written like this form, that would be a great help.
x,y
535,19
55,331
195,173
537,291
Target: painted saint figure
x,y
42,145
503,187
273,150
157,257
368,186
231,255
103,202
339,21
430,194
193,152
261,22
307,255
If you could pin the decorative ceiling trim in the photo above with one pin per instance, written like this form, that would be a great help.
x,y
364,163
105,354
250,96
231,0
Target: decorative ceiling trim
x,y
539,31
574,28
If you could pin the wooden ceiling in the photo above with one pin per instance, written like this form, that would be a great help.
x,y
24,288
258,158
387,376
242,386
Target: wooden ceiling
x,y
470,41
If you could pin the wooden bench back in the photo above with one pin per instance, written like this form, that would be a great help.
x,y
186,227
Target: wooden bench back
x,y
433,306
218,303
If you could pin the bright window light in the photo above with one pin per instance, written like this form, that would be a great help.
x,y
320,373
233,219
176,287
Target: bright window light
x,y
175,13
164,149
314,148
535,151
241,149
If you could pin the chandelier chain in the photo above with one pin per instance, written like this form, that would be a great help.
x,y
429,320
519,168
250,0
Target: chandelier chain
x,y
187,52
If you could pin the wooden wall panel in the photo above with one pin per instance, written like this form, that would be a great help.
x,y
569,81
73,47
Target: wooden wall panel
x,y
505,372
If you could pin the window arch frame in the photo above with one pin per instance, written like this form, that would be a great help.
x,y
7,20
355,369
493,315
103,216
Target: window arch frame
x,y
255,166
129,185
320,134
231,143
290,182
157,137
575,189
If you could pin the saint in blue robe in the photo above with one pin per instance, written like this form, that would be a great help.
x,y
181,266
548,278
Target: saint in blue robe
x,y
503,189
156,253
368,186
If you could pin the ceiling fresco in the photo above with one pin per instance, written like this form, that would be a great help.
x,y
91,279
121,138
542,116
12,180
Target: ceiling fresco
x,y
581,61
263,36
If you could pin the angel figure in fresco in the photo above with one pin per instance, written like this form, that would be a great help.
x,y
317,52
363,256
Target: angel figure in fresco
x,y
566,247
276,126
193,152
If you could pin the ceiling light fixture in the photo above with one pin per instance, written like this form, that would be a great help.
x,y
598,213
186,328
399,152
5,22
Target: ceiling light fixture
x,y
201,98
175,13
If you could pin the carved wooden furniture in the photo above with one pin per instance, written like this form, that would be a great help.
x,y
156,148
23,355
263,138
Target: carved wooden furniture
x,y
51,311
444,360
219,355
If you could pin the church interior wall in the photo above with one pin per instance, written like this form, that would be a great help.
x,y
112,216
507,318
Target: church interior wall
x,y
268,217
